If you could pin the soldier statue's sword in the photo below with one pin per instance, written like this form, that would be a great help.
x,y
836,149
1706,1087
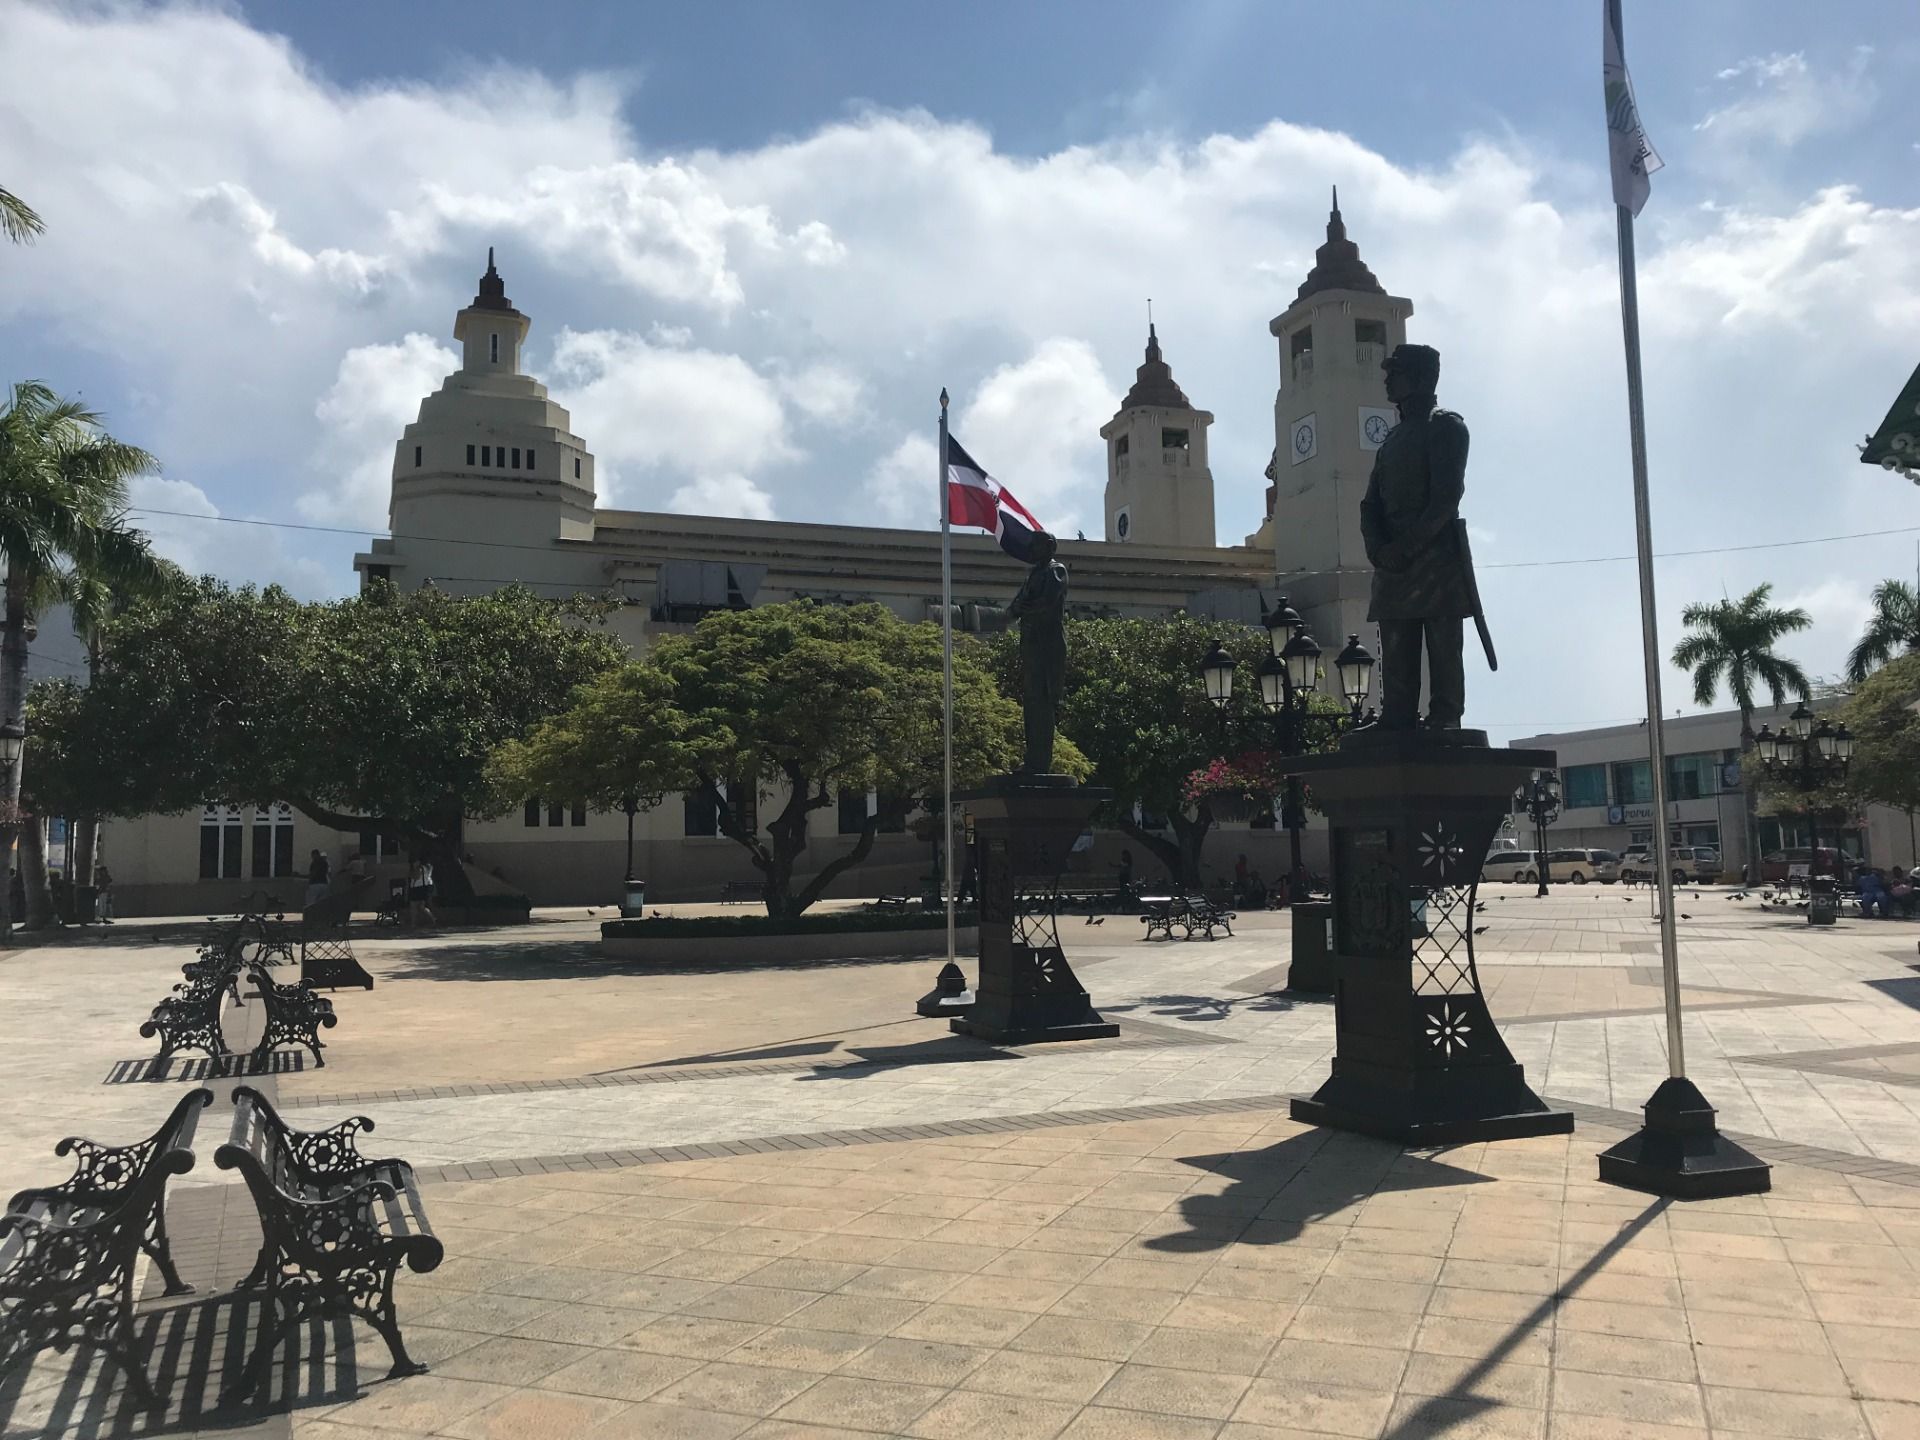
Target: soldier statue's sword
x,y
1473,584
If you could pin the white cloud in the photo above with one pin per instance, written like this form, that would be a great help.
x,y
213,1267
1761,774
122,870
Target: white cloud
x,y
731,495
646,410
901,486
375,394
1029,424
184,526
235,207
1784,100
824,392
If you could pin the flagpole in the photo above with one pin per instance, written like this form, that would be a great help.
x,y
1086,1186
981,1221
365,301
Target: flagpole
x,y
1678,1151
946,668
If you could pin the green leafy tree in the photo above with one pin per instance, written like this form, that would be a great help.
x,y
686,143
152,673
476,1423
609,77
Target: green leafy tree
x,y
798,700
18,220
1136,709
63,497
380,712
1893,629
1730,644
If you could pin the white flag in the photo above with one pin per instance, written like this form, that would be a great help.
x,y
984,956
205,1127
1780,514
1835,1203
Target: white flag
x,y
1634,157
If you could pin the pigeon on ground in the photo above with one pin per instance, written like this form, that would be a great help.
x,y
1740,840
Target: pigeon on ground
x,y
1480,929
1696,894
1685,916
1481,906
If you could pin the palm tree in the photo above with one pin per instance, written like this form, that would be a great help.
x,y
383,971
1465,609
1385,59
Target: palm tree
x,y
63,497
18,221
1731,642
1894,628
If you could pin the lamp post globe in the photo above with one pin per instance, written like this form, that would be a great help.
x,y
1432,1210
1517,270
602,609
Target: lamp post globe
x,y
1281,622
1800,723
1273,683
1216,672
1843,746
1354,666
13,740
1301,656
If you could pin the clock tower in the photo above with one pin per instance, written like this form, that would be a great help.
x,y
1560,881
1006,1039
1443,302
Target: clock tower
x,y
1329,416
1159,489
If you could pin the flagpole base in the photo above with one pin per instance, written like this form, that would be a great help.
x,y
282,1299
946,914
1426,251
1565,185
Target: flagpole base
x,y
1680,1152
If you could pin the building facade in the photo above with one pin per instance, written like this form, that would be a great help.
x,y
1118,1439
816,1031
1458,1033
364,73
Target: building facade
x,y
1606,790
492,486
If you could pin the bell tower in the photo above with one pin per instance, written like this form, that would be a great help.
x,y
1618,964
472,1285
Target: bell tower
x,y
1329,416
1159,489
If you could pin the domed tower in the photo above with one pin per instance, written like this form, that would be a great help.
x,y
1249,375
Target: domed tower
x,y
1329,416
1159,489
490,456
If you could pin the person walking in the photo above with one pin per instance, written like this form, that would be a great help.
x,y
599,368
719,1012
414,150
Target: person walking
x,y
420,893
319,877
103,894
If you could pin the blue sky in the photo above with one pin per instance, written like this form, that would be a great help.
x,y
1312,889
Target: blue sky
x,y
756,239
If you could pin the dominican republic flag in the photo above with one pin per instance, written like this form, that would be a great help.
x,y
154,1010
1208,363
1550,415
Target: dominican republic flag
x,y
976,499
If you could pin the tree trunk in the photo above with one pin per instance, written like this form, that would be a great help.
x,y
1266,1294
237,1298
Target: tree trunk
x,y
1192,835
1167,852
833,869
13,697
33,873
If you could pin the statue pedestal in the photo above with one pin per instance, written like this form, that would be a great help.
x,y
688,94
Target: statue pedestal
x,y
1025,826
1417,1057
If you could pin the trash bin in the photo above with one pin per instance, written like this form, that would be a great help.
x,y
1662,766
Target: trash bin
x,y
634,905
1311,971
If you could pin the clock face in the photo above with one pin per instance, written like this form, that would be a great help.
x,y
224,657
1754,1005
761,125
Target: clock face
x,y
1122,523
1376,428
1302,438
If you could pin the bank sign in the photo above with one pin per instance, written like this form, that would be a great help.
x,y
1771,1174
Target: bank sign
x,y
1629,814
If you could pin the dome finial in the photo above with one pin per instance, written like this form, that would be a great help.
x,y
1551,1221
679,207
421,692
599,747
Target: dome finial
x,y
490,248
1336,199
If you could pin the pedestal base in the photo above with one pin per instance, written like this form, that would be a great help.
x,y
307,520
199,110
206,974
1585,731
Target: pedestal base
x,y
1681,1153
1481,1109
1094,1029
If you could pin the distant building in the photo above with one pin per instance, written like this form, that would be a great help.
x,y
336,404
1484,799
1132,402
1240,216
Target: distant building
x,y
1606,790
491,486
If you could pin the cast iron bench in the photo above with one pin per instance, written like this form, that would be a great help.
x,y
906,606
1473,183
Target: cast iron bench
x,y
1205,916
1160,913
68,1252
294,1016
741,892
335,1228
189,1019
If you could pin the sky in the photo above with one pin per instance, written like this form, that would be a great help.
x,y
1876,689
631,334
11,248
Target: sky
x,y
756,240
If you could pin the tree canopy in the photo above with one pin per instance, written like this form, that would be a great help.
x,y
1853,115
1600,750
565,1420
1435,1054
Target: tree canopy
x,y
798,700
1892,629
380,712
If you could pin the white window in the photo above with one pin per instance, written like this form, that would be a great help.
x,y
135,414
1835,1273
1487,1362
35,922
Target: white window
x,y
493,347
272,841
221,832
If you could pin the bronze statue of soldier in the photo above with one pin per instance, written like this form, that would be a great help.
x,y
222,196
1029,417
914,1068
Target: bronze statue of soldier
x,y
1040,605
1423,583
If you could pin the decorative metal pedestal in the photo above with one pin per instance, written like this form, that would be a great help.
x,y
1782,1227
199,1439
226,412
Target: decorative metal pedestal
x,y
1417,1057
1025,827
1681,1152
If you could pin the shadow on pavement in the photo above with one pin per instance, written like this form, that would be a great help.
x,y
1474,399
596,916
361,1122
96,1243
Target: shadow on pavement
x,y
573,960
1278,1191
188,1350
1905,990
1213,1007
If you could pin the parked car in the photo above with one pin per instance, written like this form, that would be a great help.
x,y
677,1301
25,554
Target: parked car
x,y
1577,867
1510,865
1691,863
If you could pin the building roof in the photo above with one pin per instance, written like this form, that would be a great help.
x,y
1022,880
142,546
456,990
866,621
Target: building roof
x,y
493,291
1153,382
1337,264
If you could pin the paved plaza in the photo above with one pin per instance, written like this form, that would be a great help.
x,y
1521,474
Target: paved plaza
x,y
774,1203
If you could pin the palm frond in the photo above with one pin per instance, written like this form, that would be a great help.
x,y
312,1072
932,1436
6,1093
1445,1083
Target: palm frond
x,y
19,221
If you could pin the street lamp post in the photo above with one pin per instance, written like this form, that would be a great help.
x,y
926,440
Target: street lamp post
x,y
1540,799
1804,756
1288,676
633,895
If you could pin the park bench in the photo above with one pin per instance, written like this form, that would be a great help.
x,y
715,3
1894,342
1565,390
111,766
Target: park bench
x,y
327,960
294,1016
216,964
1206,916
189,1019
68,1252
1160,913
335,1229
741,892
890,903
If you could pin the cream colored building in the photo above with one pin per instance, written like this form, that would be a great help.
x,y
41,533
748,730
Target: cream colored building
x,y
492,486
